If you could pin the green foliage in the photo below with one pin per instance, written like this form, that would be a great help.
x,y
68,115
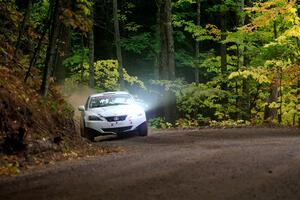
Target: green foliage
x,y
255,57
132,26
262,54
106,75
200,101
181,3
225,6
270,43
184,58
73,62
79,17
106,71
229,123
160,123
210,32
137,43
186,123
39,14
167,85
258,74
209,63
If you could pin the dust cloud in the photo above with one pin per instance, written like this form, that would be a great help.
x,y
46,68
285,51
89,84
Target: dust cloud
x,y
78,97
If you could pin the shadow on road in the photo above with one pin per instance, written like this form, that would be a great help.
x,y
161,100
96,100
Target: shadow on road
x,y
107,138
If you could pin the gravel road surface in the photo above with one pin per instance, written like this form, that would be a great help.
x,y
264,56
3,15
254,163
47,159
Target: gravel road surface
x,y
233,164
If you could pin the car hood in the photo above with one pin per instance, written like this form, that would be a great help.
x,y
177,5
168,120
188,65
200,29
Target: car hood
x,y
117,110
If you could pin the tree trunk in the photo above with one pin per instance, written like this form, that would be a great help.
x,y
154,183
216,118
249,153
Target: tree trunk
x,y
118,43
91,59
223,54
51,49
167,57
170,39
157,38
37,49
62,53
167,54
271,113
244,61
298,82
23,27
223,50
197,47
298,102
241,101
63,49
240,50
82,61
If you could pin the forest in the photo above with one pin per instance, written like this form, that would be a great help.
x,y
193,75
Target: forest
x,y
193,62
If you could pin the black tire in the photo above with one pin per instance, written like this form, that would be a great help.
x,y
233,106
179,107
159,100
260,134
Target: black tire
x,y
143,130
83,131
90,135
87,133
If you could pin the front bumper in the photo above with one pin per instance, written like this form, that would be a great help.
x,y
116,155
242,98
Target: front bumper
x,y
105,127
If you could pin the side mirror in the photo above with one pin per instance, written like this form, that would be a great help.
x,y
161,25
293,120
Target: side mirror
x,y
81,108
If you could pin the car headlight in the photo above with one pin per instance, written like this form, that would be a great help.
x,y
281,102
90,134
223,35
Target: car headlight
x,y
94,118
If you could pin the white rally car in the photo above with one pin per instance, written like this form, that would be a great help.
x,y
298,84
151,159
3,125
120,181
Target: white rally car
x,y
112,113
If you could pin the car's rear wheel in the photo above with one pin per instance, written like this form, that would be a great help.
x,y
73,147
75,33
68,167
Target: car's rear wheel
x,y
143,129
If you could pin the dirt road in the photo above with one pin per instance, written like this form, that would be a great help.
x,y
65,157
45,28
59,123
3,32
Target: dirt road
x,y
254,163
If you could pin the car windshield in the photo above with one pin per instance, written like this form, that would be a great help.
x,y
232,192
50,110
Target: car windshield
x,y
110,100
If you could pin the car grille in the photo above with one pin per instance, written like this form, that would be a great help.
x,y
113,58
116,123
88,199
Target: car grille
x,y
116,118
117,130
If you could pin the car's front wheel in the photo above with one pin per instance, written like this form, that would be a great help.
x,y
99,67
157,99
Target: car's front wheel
x,y
82,129
143,129
86,132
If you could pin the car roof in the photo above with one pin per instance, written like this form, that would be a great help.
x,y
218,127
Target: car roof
x,y
109,93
